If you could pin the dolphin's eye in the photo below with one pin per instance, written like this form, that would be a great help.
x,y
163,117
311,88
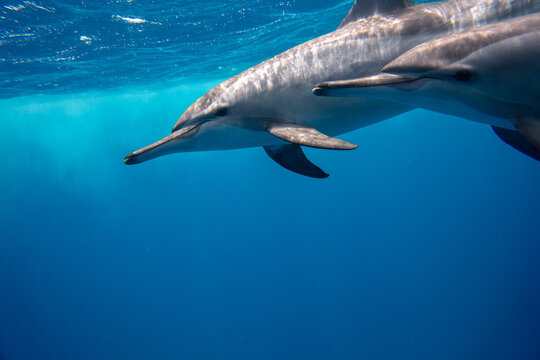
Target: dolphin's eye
x,y
221,111
463,75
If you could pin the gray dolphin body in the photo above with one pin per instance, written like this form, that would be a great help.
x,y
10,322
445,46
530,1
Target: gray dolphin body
x,y
488,74
271,104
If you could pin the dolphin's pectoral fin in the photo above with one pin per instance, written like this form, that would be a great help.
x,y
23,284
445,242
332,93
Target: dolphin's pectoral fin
x,y
517,141
307,136
354,87
291,157
529,128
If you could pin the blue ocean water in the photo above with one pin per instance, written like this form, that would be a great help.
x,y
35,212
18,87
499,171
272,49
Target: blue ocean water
x,y
422,244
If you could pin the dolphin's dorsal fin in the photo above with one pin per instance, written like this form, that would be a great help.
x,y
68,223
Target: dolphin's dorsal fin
x,y
517,141
307,136
366,8
292,158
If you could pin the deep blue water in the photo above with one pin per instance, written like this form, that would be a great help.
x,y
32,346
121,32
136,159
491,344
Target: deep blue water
x,y
422,244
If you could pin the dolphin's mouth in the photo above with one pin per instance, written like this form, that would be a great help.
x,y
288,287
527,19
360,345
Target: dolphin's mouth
x,y
184,124
160,148
179,125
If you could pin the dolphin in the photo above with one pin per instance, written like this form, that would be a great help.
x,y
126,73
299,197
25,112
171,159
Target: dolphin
x,y
488,74
271,104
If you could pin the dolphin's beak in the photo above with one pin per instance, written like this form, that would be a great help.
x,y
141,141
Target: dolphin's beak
x,y
162,147
351,88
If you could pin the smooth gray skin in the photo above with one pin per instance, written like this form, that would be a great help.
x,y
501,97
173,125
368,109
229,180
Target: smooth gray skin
x,y
487,74
279,89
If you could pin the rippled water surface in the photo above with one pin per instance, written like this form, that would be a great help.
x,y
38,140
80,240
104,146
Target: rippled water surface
x,y
63,46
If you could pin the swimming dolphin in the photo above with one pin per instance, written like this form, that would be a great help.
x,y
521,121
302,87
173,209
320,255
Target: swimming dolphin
x,y
271,104
487,74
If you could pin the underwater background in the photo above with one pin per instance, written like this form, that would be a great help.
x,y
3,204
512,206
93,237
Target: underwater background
x,y
422,244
